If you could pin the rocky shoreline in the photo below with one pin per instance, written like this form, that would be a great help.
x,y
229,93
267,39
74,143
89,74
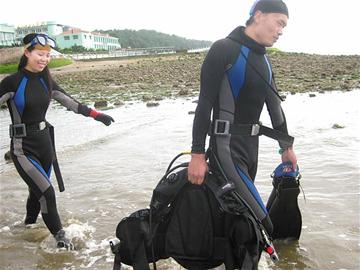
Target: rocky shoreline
x,y
154,78
161,77
110,83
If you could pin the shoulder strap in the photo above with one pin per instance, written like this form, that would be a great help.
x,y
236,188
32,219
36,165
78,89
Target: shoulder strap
x,y
117,262
262,77
140,259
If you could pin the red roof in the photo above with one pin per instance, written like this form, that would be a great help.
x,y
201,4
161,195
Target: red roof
x,y
74,31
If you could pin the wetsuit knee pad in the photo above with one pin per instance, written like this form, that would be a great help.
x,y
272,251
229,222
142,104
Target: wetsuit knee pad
x,y
48,200
49,211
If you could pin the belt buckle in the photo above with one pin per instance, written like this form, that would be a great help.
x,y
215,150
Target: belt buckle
x,y
17,130
255,129
225,129
42,125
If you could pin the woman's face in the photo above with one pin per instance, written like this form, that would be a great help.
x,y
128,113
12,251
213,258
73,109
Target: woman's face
x,y
37,59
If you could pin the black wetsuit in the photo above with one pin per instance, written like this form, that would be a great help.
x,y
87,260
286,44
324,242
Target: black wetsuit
x,y
28,97
235,78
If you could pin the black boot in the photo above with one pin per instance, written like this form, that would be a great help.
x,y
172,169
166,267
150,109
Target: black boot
x,y
62,241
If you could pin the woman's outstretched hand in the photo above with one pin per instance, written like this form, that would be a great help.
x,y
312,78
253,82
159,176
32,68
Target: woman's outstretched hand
x,y
104,118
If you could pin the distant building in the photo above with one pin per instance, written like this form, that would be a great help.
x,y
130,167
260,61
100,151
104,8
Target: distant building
x,y
105,42
50,28
7,35
88,40
67,36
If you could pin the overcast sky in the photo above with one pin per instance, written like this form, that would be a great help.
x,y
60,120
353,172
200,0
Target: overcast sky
x,y
314,26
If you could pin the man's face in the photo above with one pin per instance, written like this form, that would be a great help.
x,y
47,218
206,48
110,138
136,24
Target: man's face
x,y
270,27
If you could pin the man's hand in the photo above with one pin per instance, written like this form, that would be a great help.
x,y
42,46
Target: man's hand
x,y
289,155
197,169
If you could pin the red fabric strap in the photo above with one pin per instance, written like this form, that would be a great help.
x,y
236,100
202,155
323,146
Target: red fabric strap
x,y
94,113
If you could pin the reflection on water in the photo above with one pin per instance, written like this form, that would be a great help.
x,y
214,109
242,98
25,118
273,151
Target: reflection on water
x,y
109,172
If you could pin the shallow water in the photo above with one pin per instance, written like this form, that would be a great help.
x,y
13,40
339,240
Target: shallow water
x,y
109,172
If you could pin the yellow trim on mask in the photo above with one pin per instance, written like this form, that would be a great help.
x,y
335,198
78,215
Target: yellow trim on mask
x,y
39,47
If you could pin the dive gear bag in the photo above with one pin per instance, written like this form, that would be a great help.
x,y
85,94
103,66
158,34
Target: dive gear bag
x,y
200,227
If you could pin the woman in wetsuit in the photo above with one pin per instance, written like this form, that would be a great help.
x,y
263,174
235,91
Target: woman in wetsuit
x,y
28,93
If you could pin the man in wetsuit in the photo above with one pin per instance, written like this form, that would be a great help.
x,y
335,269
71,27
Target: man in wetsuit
x,y
236,81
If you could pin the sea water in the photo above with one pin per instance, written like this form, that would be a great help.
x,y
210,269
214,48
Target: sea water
x,y
109,172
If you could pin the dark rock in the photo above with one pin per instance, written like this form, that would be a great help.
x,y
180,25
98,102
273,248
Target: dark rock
x,y
100,104
191,112
146,98
312,95
337,126
183,92
7,156
119,103
152,104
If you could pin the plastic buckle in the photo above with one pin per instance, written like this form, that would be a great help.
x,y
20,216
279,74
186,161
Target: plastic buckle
x,y
42,125
224,126
17,131
255,129
225,189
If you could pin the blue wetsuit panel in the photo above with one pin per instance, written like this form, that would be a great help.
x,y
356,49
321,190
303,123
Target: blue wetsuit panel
x,y
40,168
44,84
236,73
270,70
252,188
19,97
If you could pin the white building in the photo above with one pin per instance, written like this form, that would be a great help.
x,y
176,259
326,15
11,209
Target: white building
x,y
88,40
66,36
7,35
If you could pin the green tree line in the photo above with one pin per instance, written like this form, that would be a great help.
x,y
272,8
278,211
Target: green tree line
x,y
150,38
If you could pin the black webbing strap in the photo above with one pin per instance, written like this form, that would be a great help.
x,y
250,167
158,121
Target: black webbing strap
x,y
276,134
224,128
22,130
140,259
117,262
55,161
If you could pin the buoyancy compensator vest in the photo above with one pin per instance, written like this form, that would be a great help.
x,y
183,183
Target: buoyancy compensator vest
x,y
200,227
